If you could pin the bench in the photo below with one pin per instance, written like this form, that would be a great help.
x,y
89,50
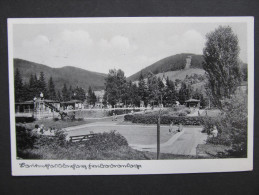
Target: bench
x,y
79,138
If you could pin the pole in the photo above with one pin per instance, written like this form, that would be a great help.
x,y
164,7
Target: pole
x,y
158,136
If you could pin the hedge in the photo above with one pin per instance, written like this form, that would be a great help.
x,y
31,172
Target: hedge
x,y
165,119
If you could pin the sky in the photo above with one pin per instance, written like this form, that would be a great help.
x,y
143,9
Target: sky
x,y
99,47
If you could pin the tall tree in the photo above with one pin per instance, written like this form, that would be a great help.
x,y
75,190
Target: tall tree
x,y
161,90
59,96
79,94
18,86
42,85
132,94
115,87
153,88
51,89
170,93
65,94
71,93
142,89
221,63
91,97
184,93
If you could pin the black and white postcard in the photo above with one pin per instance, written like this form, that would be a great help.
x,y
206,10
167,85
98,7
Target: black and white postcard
x,y
112,96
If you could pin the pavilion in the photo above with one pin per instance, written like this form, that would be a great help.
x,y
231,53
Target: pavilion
x,y
192,103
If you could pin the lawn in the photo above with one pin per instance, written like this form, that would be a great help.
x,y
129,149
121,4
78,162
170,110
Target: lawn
x,y
212,150
50,123
79,153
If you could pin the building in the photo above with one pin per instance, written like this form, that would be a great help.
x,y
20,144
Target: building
x,y
37,108
72,104
192,103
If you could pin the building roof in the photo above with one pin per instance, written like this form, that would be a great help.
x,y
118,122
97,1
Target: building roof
x,y
192,100
24,103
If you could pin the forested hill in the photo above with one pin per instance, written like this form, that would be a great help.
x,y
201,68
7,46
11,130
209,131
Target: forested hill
x,y
171,63
69,75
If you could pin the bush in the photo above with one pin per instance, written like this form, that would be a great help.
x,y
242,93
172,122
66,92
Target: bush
x,y
128,117
165,119
52,141
24,119
24,138
106,141
182,114
232,126
210,122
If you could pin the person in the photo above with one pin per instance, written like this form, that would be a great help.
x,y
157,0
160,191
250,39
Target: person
x,y
113,116
214,132
171,127
180,128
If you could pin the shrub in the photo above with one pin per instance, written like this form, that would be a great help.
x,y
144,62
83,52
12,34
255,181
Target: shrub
x,y
209,123
165,119
24,119
182,114
24,138
106,141
56,119
52,141
128,117
232,126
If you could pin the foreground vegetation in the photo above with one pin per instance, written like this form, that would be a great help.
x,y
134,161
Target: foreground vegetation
x,y
231,126
105,146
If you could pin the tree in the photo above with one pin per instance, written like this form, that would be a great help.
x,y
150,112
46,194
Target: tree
x,y
132,94
65,94
79,94
170,93
51,89
91,97
142,89
153,88
59,97
18,86
221,63
71,93
42,85
184,93
115,87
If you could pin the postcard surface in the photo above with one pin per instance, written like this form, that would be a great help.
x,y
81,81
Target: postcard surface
x,y
113,96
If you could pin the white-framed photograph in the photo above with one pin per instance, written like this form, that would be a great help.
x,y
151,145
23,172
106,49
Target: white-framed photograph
x,y
140,95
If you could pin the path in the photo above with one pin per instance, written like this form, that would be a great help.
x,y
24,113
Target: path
x,y
183,143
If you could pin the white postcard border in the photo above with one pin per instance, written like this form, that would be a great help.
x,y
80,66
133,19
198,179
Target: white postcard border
x,y
119,167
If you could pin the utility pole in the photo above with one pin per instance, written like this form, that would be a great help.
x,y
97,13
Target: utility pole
x,y
158,134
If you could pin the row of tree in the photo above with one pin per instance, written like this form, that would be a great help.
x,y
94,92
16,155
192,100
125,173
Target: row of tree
x,y
27,91
151,90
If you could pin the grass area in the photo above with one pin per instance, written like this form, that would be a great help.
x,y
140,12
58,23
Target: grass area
x,y
80,153
213,150
50,123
